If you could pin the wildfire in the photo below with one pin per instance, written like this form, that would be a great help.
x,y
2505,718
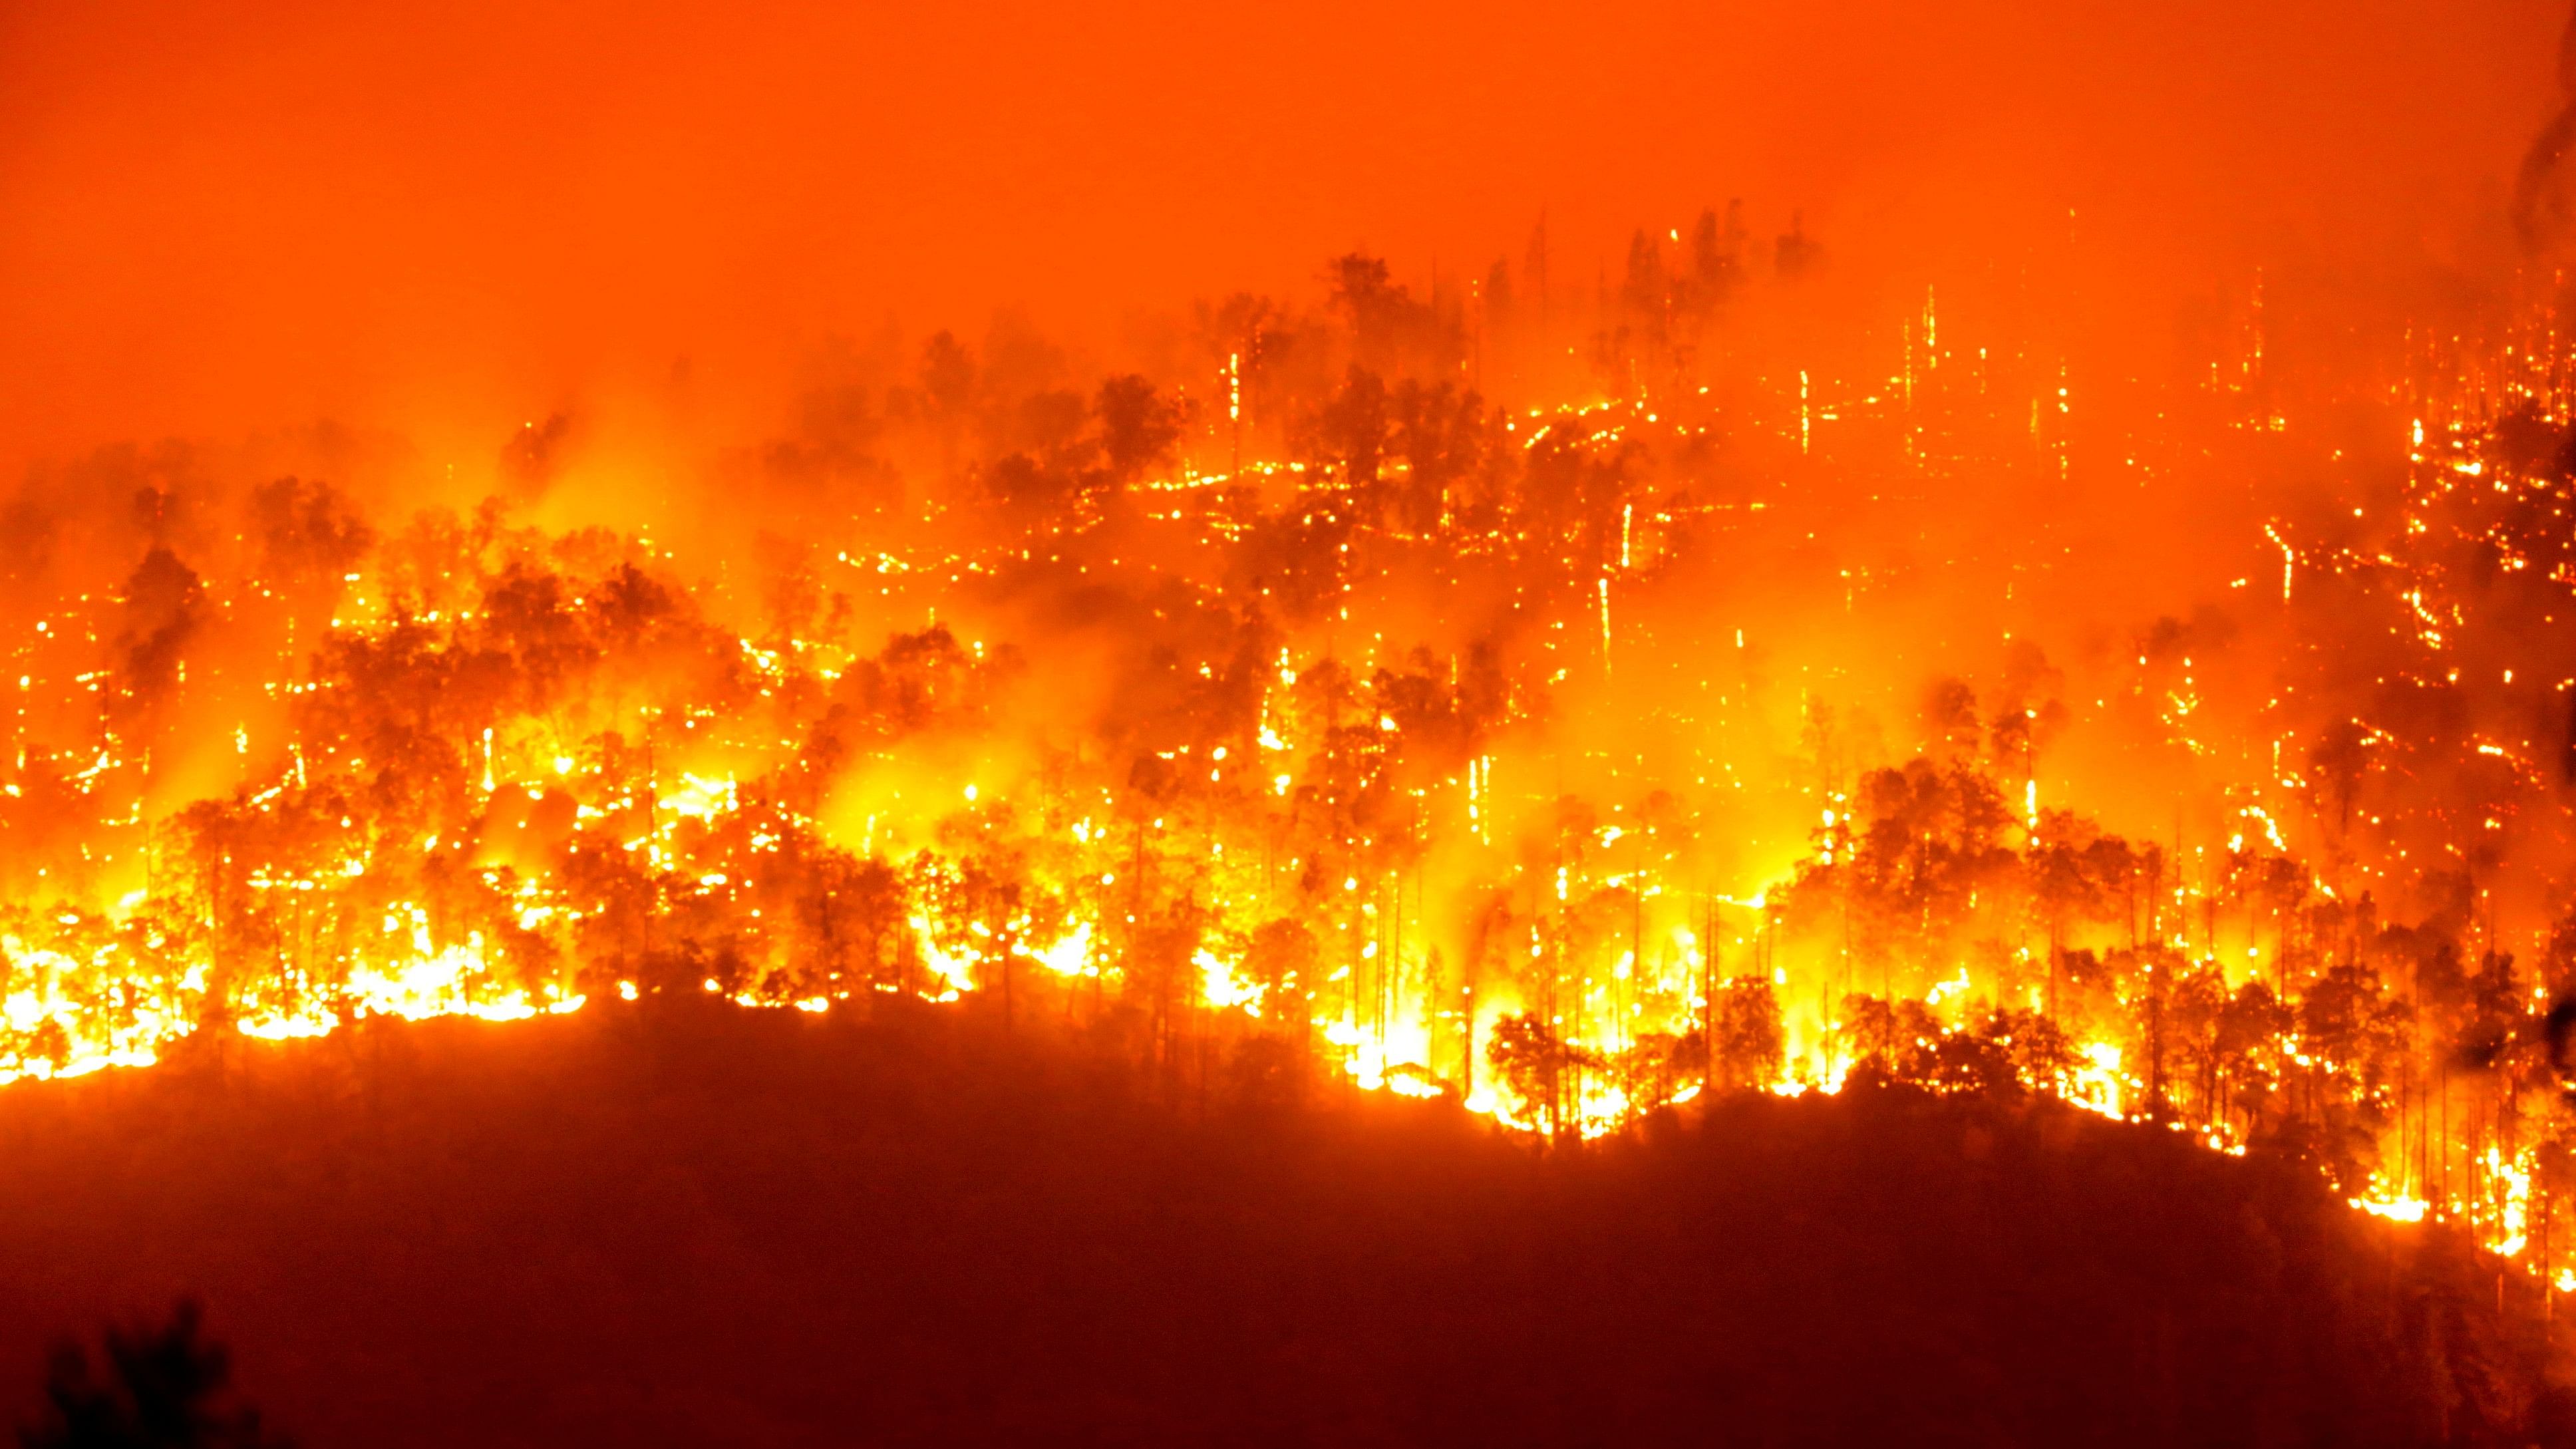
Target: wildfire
x,y
467,769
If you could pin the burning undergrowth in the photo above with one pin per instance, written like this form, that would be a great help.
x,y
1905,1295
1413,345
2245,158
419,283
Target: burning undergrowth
x,y
1741,682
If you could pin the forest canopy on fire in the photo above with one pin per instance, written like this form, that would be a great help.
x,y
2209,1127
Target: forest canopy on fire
x,y
1763,655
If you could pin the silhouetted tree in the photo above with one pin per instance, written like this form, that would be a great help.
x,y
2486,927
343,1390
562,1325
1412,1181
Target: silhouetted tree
x,y
1537,1066
1137,428
164,1386
1352,429
1796,254
1746,1039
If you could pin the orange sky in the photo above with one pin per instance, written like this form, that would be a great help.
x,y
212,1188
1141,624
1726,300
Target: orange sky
x,y
216,218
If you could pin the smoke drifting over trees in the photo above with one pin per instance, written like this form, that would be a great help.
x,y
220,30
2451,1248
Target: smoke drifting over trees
x,y
2046,597
1823,691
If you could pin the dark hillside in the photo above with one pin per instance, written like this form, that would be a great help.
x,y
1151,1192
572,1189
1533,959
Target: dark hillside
x,y
709,1226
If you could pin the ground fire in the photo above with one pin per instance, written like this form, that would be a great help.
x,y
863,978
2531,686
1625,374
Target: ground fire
x,y
1411,737
1771,660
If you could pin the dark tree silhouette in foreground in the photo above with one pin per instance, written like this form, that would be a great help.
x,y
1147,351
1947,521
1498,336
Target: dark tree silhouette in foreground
x,y
165,1386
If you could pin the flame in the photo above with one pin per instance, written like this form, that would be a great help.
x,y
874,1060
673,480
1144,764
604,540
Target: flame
x,y
501,780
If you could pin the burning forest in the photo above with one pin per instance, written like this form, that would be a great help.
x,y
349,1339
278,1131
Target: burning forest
x,y
1668,666
1315,712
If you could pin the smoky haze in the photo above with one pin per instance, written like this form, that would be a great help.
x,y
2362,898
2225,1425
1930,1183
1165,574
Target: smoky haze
x,y
1565,563
441,219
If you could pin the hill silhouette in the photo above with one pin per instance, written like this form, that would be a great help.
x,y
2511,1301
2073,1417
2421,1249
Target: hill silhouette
x,y
674,1224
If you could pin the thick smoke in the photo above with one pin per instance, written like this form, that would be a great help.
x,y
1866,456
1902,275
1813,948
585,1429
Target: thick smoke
x,y
1976,611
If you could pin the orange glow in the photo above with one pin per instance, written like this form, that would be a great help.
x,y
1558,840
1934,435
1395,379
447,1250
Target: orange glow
x,y
823,507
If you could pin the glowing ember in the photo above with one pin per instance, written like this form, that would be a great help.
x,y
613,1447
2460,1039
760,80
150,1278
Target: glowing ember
x,y
1568,762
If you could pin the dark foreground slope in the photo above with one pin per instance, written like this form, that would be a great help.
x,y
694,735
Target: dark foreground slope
x,y
697,1226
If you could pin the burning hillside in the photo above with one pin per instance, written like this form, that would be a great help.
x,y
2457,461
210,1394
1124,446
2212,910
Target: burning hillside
x,y
2048,601
1569,761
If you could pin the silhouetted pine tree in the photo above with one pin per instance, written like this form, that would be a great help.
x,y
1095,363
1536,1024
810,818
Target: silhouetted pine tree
x,y
164,1387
